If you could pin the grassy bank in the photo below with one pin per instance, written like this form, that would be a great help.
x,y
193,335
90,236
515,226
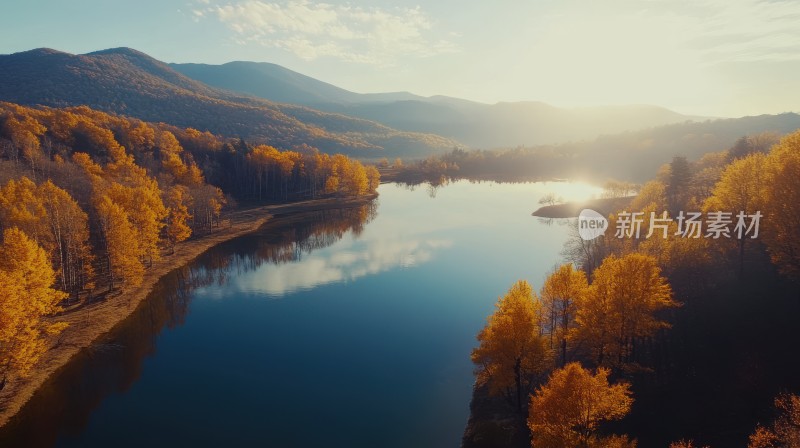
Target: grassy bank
x,y
89,322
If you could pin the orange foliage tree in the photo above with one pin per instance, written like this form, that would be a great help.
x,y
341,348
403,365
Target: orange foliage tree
x,y
741,188
782,205
784,432
621,307
563,290
512,350
55,221
178,202
123,252
26,279
567,410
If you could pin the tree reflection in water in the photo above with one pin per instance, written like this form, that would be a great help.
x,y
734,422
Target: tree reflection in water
x,y
62,406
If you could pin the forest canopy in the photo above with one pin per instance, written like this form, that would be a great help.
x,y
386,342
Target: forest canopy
x,y
88,200
656,319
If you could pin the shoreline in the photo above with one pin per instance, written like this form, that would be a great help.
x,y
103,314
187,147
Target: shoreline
x,y
604,206
105,314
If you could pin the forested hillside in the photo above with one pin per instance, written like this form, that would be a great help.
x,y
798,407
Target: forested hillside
x,y
632,156
687,322
129,82
88,200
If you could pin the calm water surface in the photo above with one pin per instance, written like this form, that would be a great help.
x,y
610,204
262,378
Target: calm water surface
x,y
347,328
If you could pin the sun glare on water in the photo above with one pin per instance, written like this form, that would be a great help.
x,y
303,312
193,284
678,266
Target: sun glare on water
x,y
571,191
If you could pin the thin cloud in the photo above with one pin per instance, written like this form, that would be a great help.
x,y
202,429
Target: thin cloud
x,y
313,30
743,31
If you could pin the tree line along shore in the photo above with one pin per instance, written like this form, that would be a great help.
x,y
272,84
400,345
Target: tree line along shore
x,y
696,328
95,207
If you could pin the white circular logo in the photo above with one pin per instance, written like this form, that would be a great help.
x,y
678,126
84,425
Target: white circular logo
x,y
591,224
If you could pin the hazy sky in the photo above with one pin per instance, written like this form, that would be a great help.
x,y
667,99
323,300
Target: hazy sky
x,y
710,57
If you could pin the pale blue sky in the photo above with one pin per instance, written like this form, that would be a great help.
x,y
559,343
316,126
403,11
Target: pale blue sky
x,y
710,57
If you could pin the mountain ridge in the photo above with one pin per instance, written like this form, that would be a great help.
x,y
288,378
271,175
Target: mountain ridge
x,y
476,124
127,81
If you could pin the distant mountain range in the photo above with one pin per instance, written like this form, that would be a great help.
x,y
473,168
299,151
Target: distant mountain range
x,y
268,103
129,82
474,124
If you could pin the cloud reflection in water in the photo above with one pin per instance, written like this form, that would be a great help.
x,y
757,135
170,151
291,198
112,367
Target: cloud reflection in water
x,y
348,261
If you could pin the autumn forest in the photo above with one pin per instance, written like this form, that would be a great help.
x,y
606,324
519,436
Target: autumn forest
x,y
89,200
614,314
297,223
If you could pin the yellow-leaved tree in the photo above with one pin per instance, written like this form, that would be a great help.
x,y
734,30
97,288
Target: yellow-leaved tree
x,y
69,226
782,205
741,188
178,202
21,207
24,131
130,212
685,444
567,410
140,197
784,431
652,194
122,249
26,279
374,177
512,350
262,157
563,290
55,221
621,308
359,179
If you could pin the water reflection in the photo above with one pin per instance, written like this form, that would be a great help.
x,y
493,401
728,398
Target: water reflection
x,y
557,221
286,239
109,366
374,332
288,255
346,264
60,409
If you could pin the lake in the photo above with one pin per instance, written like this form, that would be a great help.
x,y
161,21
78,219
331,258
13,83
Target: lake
x,y
347,328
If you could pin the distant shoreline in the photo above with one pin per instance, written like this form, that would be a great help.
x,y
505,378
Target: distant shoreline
x,y
105,314
572,209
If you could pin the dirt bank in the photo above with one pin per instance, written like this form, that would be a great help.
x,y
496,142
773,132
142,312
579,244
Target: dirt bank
x,y
87,323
